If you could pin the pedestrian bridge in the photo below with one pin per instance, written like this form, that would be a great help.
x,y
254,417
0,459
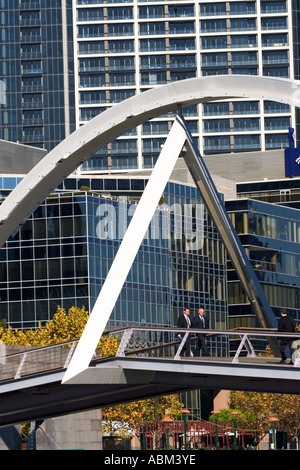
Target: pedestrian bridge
x,y
147,364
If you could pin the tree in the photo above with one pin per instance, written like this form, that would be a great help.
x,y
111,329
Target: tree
x,y
65,326
128,419
264,406
244,417
68,326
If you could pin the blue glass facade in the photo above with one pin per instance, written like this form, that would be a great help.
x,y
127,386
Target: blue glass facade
x,y
63,252
270,234
37,68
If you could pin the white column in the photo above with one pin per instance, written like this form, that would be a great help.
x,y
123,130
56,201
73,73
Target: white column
x,y
127,252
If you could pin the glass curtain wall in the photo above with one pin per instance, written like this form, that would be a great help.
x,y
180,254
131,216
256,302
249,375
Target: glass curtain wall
x,y
271,236
37,71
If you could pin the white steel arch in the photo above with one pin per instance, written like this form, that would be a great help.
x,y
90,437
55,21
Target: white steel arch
x,y
73,151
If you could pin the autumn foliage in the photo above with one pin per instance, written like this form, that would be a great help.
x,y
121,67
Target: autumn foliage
x,y
128,419
258,408
65,326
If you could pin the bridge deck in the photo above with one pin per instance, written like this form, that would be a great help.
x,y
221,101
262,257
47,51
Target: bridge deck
x,y
40,394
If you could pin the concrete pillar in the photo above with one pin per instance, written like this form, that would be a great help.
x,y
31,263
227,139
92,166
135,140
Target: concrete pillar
x,y
76,431
10,438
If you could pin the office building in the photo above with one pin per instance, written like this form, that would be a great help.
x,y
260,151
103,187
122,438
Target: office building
x,y
36,72
63,252
270,234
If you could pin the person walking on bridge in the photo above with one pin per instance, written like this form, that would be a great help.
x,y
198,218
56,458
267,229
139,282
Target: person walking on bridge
x,y
184,321
286,324
200,322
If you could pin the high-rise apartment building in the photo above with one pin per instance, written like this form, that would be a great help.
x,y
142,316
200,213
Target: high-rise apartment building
x,y
64,62
126,47
37,70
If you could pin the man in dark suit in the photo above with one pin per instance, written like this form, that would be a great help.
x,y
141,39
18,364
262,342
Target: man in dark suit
x,y
184,321
286,324
200,322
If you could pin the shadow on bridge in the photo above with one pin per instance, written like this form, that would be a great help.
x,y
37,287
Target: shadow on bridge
x,y
146,364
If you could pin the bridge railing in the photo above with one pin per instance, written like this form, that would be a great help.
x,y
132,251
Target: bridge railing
x,y
33,360
139,340
155,342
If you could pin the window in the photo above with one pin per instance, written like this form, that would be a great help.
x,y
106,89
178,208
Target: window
x,y
88,97
119,13
91,64
180,10
243,24
274,39
182,44
216,125
153,62
149,11
276,141
210,9
175,76
272,123
152,28
90,14
89,113
152,44
244,142
34,66
120,95
243,41
240,8
153,145
214,60
119,163
273,6
153,78
92,80
215,108
181,27
215,143
155,127
214,42
275,107
121,29
182,61
122,79
275,57
245,107
123,146
210,26
246,124
273,23
93,47
276,71
121,46
244,58
121,63
91,31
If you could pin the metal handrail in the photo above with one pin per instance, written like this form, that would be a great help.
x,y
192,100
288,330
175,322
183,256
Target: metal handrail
x,y
57,356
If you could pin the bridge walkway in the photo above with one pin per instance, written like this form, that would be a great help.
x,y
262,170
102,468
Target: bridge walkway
x,y
147,364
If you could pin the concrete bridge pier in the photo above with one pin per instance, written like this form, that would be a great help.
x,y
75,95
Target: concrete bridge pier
x,y
79,431
10,438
